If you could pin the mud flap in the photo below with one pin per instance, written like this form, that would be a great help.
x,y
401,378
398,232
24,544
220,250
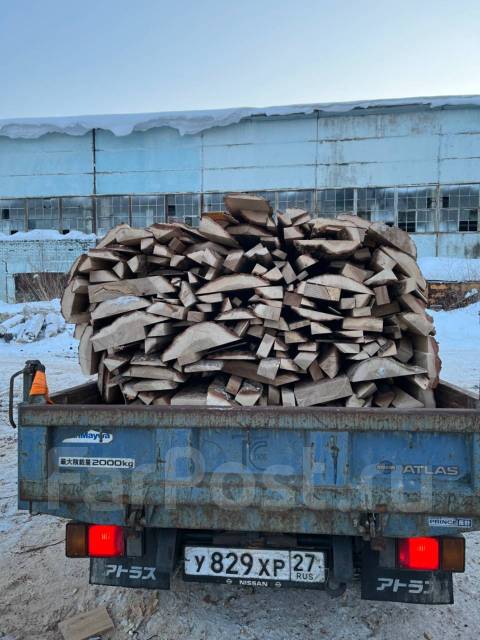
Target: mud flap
x,y
399,585
152,570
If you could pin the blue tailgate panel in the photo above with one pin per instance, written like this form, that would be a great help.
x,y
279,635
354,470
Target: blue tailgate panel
x,y
442,456
278,480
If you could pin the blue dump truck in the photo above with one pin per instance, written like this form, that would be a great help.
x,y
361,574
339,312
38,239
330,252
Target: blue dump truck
x,y
264,496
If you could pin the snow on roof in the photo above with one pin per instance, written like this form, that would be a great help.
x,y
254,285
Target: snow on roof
x,y
191,122
48,234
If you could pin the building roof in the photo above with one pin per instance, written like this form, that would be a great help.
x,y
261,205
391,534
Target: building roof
x,y
192,122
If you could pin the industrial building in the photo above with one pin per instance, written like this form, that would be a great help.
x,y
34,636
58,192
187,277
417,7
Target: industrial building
x,y
412,162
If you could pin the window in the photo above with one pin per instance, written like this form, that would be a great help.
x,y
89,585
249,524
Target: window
x,y
460,208
43,213
77,214
366,215
268,195
295,200
416,209
13,216
110,211
376,204
184,207
333,201
468,220
147,210
407,220
213,202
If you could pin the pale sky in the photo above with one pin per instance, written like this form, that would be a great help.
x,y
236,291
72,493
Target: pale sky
x,y
73,57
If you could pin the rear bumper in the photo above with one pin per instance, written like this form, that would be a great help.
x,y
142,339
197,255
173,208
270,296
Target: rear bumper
x,y
348,559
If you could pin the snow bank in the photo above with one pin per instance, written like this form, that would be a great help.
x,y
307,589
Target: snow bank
x,y
48,234
450,269
458,335
28,308
31,321
191,122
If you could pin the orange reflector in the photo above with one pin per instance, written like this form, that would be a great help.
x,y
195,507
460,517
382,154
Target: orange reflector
x,y
105,541
39,385
419,553
76,540
453,554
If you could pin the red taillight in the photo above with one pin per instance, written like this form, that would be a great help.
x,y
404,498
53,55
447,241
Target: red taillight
x,y
105,541
419,553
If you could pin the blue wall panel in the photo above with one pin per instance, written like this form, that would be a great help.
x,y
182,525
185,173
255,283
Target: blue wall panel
x,y
409,148
260,154
259,178
159,160
54,164
149,182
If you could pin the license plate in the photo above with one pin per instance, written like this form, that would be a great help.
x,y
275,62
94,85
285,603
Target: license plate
x,y
255,567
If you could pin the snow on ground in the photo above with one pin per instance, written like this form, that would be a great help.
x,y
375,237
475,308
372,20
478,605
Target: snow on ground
x,y
450,269
458,334
39,587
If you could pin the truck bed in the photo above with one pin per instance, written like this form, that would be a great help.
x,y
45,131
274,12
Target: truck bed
x,y
342,471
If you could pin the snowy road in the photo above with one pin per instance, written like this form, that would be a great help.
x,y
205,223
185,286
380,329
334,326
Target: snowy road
x,y
39,587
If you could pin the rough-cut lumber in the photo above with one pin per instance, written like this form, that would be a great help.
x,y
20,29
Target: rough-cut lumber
x,y
393,236
248,370
198,338
253,308
417,324
155,373
87,357
74,305
288,397
365,324
215,232
236,282
381,368
329,363
233,385
381,295
124,330
249,394
382,277
403,400
407,265
168,310
86,624
340,282
268,368
150,285
265,346
308,394
243,202
116,306
129,236
318,291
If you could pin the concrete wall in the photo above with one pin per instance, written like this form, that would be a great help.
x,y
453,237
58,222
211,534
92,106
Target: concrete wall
x,y
36,256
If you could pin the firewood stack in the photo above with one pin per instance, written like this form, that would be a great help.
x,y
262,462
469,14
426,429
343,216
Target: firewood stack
x,y
255,309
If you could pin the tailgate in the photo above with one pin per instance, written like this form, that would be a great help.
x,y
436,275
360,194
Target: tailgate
x,y
260,469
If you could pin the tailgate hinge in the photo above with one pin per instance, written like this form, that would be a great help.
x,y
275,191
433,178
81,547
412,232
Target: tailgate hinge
x,y
369,525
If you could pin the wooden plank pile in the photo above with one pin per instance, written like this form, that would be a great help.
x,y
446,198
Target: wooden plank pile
x,y
256,309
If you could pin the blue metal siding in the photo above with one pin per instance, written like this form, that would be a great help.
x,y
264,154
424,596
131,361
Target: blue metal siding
x,y
409,148
159,160
54,164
